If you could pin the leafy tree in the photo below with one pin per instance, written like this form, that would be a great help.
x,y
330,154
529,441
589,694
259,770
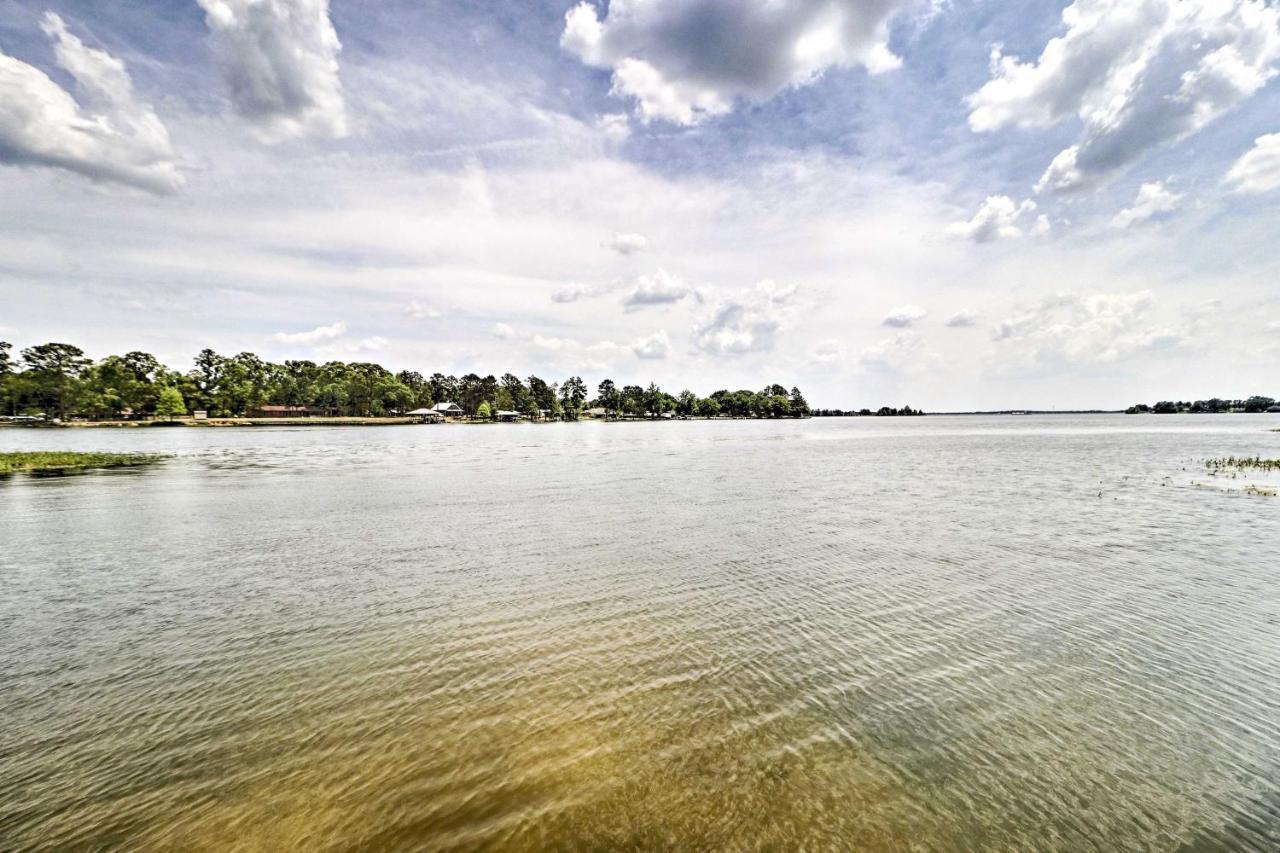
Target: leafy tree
x,y
542,394
573,395
55,369
483,412
798,404
686,403
609,397
170,404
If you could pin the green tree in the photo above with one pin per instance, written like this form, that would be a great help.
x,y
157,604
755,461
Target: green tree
x,y
55,369
608,397
798,404
169,404
573,394
687,403
483,411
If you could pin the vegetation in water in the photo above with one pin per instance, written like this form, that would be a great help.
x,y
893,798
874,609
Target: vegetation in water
x,y
1242,463
49,461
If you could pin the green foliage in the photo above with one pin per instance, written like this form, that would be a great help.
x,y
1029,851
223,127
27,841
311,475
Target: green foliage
x,y
170,404
66,461
57,379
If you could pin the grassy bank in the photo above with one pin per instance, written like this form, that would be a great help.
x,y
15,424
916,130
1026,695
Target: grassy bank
x,y
57,461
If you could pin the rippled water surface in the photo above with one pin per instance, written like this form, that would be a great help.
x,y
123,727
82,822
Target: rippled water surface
x,y
1031,633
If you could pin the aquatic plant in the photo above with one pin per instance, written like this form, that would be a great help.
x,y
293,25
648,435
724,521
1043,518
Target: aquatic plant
x,y
54,461
1243,463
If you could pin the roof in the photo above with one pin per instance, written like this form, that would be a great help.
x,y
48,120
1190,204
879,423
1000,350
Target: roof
x,y
506,413
423,412
446,407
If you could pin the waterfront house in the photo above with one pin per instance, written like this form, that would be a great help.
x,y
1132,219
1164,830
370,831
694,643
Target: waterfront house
x,y
427,416
597,412
506,415
282,412
448,410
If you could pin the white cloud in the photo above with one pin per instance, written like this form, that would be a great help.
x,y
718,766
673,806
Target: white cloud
x,y
1152,200
502,331
904,316
661,288
1000,218
319,334
895,353
1069,330
1258,171
372,344
655,346
421,311
627,244
826,351
279,59
1136,74
686,60
571,292
615,127
962,319
747,322
105,134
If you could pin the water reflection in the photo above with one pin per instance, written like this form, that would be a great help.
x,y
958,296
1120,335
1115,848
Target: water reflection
x,y
934,636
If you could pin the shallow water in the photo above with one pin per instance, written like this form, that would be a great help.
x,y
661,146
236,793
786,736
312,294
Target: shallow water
x,y
928,634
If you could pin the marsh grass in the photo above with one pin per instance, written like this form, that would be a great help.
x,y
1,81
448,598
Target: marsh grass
x,y
52,462
1242,463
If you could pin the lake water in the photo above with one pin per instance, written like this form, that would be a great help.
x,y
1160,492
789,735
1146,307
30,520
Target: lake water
x,y
1019,633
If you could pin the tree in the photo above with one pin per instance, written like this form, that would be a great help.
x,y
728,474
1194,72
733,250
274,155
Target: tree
x,y
55,368
686,403
798,405
483,412
169,404
609,397
573,394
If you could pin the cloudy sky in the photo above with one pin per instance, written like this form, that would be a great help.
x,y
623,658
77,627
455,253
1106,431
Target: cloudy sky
x,y
949,203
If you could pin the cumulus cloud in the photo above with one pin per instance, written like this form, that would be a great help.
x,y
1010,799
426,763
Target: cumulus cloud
x,y
1258,171
279,59
655,346
826,352
746,322
318,335
904,316
661,288
683,61
1000,218
103,132
900,352
627,244
1075,330
372,344
1135,74
421,311
962,319
571,292
502,331
1153,199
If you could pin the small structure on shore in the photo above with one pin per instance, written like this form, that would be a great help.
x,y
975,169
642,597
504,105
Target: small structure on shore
x,y
448,410
506,415
428,416
283,412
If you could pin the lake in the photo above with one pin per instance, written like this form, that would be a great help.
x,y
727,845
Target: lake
x,y
947,633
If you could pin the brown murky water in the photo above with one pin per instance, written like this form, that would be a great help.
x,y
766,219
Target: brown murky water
x,y
940,634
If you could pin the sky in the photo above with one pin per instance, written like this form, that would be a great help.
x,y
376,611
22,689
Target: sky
x,y
952,204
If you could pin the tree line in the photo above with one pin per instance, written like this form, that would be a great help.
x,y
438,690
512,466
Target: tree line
x,y
58,380
1212,406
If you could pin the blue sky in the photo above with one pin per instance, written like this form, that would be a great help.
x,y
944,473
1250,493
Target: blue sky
x,y
948,203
